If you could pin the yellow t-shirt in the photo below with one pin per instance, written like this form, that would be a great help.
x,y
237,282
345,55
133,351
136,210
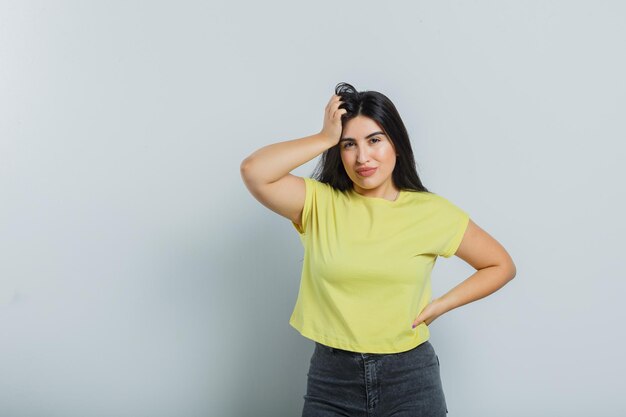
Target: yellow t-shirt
x,y
367,264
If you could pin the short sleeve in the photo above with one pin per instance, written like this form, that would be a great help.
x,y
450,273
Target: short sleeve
x,y
451,222
310,186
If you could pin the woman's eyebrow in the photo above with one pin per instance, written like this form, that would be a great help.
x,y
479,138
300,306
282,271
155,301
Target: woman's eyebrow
x,y
368,136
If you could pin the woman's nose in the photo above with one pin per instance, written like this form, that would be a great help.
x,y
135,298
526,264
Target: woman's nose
x,y
362,155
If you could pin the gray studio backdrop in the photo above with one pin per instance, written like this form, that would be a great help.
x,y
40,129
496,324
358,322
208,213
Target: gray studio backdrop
x,y
138,277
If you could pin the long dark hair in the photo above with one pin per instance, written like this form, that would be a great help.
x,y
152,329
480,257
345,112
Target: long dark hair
x,y
379,108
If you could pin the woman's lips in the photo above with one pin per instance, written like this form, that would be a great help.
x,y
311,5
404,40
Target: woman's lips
x,y
367,173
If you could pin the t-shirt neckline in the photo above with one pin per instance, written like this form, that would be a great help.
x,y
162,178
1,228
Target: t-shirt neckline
x,y
377,200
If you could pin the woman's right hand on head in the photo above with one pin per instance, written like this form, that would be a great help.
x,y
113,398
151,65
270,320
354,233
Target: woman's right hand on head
x,y
332,119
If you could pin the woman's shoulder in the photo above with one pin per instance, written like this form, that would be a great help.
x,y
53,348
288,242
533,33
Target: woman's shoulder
x,y
421,195
433,201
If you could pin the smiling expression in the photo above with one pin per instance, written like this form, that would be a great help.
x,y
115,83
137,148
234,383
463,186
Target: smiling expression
x,y
364,144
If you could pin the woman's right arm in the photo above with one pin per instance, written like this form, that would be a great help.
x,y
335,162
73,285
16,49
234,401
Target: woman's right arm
x,y
266,172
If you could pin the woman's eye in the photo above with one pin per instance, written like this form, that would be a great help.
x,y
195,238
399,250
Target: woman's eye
x,y
376,139
345,145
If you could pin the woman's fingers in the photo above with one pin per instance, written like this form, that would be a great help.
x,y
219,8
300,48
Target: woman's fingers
x,y
332,118
333,99
333,106
429,314
337,115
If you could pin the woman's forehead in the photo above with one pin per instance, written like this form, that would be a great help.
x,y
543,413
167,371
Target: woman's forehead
x,y
360,127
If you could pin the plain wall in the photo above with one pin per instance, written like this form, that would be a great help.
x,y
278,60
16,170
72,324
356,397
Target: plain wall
x,y
139,277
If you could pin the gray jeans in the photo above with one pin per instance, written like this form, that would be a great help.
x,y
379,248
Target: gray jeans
x,y
353,384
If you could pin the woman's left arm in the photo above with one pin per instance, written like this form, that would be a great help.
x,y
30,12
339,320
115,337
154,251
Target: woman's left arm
x,y
494,268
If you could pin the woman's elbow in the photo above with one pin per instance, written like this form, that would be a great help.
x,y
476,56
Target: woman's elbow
x,y
246,170
511,269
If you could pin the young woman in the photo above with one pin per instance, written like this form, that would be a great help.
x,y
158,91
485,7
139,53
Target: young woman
x,y
371,234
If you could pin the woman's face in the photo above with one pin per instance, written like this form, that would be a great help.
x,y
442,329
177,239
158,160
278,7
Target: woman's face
x,y
363,144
